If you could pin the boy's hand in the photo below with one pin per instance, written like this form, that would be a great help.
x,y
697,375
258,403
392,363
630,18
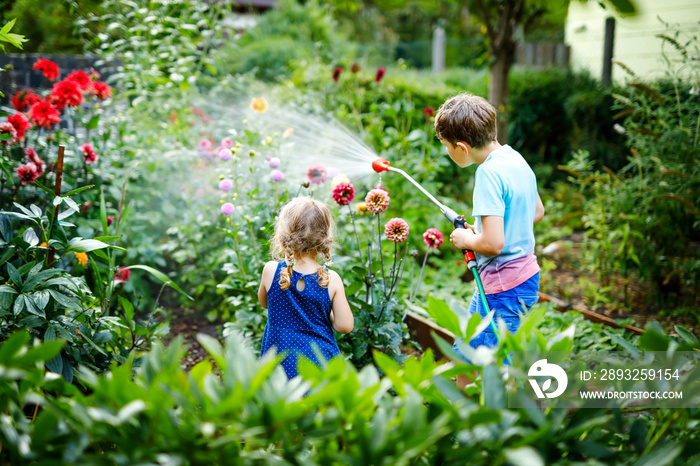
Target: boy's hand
x,y
462,238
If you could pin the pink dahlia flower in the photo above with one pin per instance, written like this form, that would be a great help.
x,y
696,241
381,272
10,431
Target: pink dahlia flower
x,y
28,173
433,238
377,200
122,275
7,128
343,193
277,175
204,144
316,174
89,155
32,157
225,154
227,143
274,162
396,230
228,208
225,185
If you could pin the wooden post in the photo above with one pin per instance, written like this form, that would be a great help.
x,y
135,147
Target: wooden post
x,y
57,192
608,51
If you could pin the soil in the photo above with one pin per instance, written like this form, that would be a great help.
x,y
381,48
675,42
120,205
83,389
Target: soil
x,y
189,323
564,277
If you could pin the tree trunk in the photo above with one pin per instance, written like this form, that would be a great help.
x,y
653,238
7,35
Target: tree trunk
x,y
498,85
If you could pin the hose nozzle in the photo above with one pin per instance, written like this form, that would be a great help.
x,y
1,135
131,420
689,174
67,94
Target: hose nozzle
x,y
380,165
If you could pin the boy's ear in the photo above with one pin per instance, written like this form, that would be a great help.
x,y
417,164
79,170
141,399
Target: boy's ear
x,y
463,146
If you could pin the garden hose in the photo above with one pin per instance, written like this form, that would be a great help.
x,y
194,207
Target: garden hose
x,y
379,165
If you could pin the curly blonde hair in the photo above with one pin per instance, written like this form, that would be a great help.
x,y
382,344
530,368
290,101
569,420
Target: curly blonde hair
x,y
303,227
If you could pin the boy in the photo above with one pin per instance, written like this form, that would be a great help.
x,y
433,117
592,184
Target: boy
x,y
506,205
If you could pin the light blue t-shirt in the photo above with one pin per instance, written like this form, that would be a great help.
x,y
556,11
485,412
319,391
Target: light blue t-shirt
x,y
506,186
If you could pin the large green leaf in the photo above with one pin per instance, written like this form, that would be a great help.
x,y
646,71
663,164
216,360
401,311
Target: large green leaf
x,y
443,315
161,276
493,388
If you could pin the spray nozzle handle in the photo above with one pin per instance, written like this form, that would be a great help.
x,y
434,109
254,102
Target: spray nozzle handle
x,y
456,219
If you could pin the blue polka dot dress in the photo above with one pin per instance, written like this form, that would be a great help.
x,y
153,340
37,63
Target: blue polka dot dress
x,y
298,319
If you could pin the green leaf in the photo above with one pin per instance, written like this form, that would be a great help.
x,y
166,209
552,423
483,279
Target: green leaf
x,y
7,255
12,345
71,203
443,315
14,275
85,245
19,305
92,124
79,190
660,456
103,211
46,189
523,456
44,352
161,276
686,335
65,301
493,389
214,348
128,308
107,238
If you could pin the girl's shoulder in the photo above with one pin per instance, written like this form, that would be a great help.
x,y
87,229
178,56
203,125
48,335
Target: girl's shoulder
x,y
268,273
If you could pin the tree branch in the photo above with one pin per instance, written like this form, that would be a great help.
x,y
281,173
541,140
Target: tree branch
x,y
487,21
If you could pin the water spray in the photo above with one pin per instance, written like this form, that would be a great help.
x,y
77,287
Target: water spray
x,y
379,165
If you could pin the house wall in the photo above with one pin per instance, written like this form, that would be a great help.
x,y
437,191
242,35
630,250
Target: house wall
x,y
636,44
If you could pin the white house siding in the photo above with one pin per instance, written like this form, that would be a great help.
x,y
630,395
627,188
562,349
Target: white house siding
x,y
636,44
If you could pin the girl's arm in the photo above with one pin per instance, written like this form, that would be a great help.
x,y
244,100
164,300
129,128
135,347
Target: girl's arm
x,y
268,274
341,315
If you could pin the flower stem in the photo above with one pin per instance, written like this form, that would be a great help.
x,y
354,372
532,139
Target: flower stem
x,y
379,238
420,276
359,249
393,273
399,276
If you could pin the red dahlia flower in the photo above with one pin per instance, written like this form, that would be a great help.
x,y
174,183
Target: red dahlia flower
x,y
122,275
23,100
380,74
47,68
433,238
336,73
79,77
396,230
66,93
89,155
44,114
20,123
343,193
101,90
27,173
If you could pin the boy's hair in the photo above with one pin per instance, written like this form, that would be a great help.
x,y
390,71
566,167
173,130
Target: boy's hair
x,y
304,226
466,118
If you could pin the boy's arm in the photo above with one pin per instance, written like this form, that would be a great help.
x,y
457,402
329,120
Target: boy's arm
x,y
539,210
268,274
488,243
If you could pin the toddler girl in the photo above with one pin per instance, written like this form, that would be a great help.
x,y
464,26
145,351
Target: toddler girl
x,y
305,301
